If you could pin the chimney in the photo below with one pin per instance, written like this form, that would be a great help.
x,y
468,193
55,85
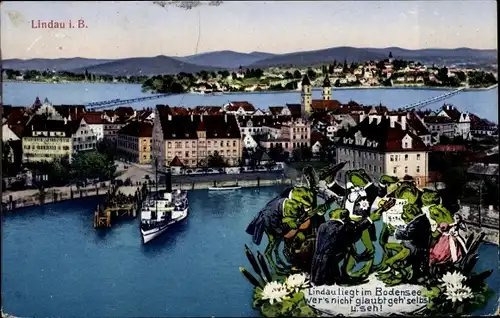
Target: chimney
x,y
403,122
169,117
201,117
65,120
225,118
192,117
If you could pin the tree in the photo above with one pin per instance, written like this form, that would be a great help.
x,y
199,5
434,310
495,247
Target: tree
x,y
306,153
337,83
234,76
291,85
216,161
288,75
92,164
311,73
277,153
296,154
390,55
331,68
297,74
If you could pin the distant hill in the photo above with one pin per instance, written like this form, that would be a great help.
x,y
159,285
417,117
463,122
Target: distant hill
x,y
145,66
225,59
458,55
219,60
306,58
352,54
61,64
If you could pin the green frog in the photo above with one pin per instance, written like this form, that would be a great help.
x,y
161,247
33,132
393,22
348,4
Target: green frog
x,y
428,199
414,237
359,198
417,240
398,189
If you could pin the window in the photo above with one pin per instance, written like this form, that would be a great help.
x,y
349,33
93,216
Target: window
x,y
406,157
234,143
186,154
418,156
418,169
406,169
395,170
392,158
406,145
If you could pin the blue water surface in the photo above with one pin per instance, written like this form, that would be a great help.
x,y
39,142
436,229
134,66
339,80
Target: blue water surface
x,y
54,263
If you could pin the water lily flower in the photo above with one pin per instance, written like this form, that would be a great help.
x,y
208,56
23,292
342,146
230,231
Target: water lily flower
x,y
274,291
452,280
297,282
460,293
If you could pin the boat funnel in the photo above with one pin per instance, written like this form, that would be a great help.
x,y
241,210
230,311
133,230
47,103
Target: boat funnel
x,y
168,182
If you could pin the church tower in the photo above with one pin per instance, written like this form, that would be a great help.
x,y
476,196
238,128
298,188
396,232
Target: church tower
x,y
327,89
306,97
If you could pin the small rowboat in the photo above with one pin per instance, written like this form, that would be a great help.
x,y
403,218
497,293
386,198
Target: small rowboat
x,y
223,188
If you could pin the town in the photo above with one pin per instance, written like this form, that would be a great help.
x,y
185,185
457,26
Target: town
x,y
49,143
390,72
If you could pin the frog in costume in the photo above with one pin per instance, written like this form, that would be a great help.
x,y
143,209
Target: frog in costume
x,y
411,259
360,193
414,249
285,217
405,190
430,198
334,242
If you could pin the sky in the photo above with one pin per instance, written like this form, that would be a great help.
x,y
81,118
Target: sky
x,y
117,29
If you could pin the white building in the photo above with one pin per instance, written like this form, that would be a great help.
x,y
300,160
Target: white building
x,y
249,143
8,133
440,126
95,122
381,147
461,120
84,138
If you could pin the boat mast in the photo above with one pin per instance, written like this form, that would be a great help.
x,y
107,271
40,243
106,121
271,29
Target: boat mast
x,y
156,182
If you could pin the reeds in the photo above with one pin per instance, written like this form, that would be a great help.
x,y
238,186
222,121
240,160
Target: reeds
x,y
259,266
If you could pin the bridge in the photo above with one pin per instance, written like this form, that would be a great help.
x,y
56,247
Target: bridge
x,y
117,102
439,98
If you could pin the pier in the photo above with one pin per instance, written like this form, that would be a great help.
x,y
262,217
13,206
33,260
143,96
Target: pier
x,y
93,106
121,202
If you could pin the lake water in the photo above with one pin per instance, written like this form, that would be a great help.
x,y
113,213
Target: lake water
x,y
54,263
483,103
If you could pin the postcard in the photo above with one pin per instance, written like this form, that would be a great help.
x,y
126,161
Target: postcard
x,y
249,158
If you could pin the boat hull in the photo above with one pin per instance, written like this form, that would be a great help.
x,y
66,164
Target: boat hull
x,y
223,188
149,235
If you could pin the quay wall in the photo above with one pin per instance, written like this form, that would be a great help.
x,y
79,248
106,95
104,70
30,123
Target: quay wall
x,y
53,196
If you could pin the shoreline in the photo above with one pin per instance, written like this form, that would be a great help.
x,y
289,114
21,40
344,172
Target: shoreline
x,y
188,185
465,88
